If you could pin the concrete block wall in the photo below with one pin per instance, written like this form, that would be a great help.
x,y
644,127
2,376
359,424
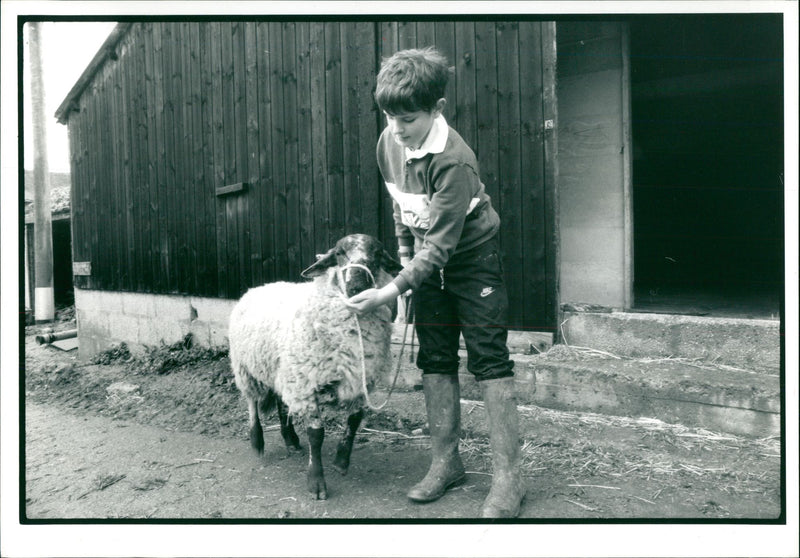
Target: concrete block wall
x,y
107,318
137,319
591,164
753,344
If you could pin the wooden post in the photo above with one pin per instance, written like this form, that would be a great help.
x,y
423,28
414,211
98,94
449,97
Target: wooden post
x,y
627,168
552,231
27,268
44,303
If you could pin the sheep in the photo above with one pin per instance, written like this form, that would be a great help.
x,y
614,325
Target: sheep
x,y
295,346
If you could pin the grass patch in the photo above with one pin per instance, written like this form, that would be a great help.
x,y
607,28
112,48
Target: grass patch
x,y
161,359
115,354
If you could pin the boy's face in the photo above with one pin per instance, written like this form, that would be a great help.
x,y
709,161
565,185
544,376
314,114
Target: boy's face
x,y
411,128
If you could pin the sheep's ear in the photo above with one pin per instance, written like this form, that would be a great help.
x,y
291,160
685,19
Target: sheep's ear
x,y
389,264
324,261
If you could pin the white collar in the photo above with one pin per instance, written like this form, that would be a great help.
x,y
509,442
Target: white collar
x,y
434,143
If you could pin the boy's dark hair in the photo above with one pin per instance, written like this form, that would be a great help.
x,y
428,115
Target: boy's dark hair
x,y
412,80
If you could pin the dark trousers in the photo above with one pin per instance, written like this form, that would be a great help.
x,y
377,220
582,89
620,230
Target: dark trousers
x,y
468,298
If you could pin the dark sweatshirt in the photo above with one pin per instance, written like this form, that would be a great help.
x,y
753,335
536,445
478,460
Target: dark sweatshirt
x,y
440,204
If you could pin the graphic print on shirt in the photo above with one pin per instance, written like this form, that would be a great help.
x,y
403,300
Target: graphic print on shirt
x,y
414,208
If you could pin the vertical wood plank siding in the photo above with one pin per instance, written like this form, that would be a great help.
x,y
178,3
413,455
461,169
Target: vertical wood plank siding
x,y
549,170
252,174
532,170
510,184
288,80
286,107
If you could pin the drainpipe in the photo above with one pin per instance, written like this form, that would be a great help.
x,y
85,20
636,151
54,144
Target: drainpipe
x,y
47,338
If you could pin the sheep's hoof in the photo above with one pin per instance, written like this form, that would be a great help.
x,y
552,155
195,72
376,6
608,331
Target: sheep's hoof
x,y
291,451
257,439
317,488
342,462
293,445
290,439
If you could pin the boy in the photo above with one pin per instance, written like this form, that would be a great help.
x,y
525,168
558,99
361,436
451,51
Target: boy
x,y
446,228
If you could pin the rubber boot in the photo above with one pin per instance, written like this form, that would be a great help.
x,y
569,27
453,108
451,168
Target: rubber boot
x,y
443,404
505,496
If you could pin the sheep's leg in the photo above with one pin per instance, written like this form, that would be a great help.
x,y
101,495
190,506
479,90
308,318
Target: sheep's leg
x,y
287,428
315,477
342,461
256,434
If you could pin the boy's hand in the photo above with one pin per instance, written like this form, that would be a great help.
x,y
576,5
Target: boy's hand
x,y
368,300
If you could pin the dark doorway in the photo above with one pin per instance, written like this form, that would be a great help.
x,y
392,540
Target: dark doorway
x,y
707,118
63,293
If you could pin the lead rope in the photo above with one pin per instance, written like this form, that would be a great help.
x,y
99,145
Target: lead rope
x,y
361,343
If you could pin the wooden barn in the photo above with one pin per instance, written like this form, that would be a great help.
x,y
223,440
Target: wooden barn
x,y
627,166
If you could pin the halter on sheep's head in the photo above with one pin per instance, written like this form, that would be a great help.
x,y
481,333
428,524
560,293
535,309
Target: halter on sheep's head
x,y
360,258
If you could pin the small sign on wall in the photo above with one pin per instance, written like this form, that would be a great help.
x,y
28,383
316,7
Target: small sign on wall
x,y
81,268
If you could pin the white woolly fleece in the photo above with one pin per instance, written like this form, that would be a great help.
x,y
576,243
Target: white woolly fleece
x,y
300,340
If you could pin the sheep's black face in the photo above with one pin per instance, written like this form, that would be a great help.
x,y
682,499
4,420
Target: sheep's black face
x,y
360,258
356,280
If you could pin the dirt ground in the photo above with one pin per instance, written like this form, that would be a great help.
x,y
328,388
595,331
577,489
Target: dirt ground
x,y
138,440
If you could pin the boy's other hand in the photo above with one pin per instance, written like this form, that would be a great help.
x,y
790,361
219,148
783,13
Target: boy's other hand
x,y
403,308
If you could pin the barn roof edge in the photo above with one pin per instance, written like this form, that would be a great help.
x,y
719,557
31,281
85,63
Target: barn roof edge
x,y
106,51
